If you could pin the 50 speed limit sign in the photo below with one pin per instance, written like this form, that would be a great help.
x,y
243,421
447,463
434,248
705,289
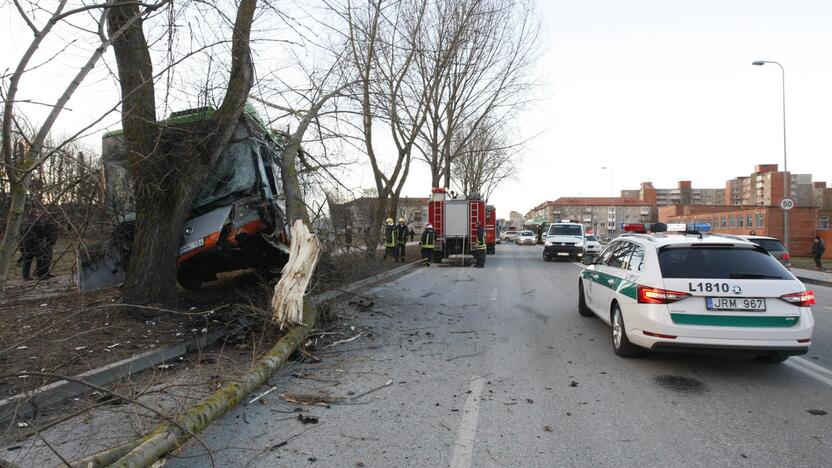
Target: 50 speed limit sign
x,y
787,203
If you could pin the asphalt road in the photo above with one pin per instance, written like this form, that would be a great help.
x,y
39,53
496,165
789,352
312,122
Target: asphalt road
x,y
494,367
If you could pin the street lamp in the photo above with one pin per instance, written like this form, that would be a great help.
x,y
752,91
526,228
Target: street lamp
x,y
786,191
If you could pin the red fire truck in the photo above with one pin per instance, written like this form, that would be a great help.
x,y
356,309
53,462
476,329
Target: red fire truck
x,y
490,229
455,222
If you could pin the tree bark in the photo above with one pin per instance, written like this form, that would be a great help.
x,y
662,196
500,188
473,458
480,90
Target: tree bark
x,y
166,183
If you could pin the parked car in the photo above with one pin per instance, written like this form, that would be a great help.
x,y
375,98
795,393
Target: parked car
x,y
510,236
771,244
526,238
591,245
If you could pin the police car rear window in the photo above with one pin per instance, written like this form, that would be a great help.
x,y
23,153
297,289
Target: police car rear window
x,y
720,263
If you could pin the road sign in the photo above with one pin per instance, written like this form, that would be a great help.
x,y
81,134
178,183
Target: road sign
x,y
787,203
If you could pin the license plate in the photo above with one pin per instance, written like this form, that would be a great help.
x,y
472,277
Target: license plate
x,y
745,304
563,254
191,246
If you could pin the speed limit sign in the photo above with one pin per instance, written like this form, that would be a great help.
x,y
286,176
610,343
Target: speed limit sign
x,y
787,203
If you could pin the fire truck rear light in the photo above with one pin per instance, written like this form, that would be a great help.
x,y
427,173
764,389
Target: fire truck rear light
x,y
647,295
659,335
800,299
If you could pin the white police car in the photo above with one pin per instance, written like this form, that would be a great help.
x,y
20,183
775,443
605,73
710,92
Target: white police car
x,y
691,291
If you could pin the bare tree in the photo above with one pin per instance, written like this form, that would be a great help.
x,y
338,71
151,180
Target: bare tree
x,y
19,171
482,160
384,40
165,183
493,45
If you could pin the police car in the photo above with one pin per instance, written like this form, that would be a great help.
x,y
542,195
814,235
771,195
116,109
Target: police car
x,y
677,288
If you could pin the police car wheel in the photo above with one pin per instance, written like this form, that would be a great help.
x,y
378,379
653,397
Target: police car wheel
x,y
546,258
620,343
773,358
583,310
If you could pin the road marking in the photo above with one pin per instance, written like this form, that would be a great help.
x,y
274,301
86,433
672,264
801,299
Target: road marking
x,y
811,369
827,307
464,448
494,294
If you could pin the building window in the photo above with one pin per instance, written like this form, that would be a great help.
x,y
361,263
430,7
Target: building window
x,y
823,222
739,221
731,222
724,222
749,220
759,220
611,225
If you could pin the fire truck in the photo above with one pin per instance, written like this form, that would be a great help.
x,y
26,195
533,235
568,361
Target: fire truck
x,y
455,223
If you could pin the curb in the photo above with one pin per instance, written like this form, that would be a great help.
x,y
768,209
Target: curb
x,y
27,403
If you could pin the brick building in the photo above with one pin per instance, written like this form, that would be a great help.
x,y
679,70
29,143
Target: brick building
x,y
683,194
764,187
804,222
357,213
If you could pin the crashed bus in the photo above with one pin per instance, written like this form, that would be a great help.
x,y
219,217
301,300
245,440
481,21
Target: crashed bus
x,y
237,220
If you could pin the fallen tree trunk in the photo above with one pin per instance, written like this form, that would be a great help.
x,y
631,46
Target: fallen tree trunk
x,y
289,293
287,301
165,437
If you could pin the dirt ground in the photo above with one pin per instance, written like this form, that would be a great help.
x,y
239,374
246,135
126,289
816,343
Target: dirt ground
x,y
50,327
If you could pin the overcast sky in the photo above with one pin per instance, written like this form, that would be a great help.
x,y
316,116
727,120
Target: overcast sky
x,y
654,90
664,91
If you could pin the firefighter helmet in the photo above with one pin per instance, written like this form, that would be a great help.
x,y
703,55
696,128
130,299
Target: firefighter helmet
x,y
389,220
429,226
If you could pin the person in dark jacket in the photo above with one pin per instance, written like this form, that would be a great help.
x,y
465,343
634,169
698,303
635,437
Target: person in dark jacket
x,y
479,247
401,239
818,248
428,242
39,236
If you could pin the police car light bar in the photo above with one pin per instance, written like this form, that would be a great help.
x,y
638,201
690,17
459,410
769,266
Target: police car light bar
x,y
661,227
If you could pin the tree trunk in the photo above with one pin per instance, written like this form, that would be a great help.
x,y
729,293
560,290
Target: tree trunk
x,y
374,228
166,183
11,236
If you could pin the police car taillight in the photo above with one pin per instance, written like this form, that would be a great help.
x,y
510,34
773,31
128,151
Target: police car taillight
x,y
800,299
647,295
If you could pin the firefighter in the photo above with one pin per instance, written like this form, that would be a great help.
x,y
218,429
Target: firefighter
x,y
390,239
479,247
401,238
427,242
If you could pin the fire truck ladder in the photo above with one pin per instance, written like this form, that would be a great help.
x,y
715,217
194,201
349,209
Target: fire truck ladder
x,y
474,214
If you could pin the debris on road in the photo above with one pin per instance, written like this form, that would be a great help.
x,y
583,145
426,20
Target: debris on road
x,y
547,429
460,357
260,396
336,343
386,384
573,383
816,412
307,419
308,400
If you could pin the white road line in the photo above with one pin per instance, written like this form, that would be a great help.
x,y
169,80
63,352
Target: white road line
x,y
827,307
811,369
464,448
494,294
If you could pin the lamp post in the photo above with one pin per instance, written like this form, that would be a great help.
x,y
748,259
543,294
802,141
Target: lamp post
x,y
786,191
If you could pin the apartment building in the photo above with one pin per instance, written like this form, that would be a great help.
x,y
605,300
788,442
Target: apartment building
x,y
764,187
683,194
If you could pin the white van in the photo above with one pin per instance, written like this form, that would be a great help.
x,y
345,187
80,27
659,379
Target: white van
x,y
564,240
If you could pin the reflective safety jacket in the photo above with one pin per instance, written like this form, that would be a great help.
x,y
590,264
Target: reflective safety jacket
x,y
389,235
402,232
428,238
479,242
